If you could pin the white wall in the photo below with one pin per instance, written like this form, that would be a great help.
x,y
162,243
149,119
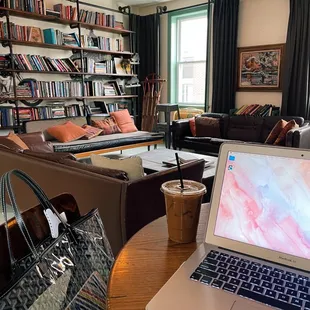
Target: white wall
x,y
261,22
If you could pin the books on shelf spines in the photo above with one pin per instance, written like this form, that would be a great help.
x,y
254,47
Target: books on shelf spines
x,y
8,114
100,19
65,89
102,43
43,63
33,6
90,66
257,110
35,34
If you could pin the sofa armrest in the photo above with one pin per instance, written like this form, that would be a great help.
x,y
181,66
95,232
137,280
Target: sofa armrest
x,y
180,129
55,157
301,137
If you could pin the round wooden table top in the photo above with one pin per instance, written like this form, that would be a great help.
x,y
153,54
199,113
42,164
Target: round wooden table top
x,y
146,263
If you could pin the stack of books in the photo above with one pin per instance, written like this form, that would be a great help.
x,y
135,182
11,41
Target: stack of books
x,y
49,89
101,68
257,110
109,90
43,63
34,6
97,18
119,25
4,61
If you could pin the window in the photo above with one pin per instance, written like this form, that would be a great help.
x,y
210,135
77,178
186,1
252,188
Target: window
x,y
187,54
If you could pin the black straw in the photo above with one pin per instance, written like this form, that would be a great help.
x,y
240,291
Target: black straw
x,y
179,168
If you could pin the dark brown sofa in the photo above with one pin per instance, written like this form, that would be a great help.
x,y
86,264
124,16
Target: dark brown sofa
x,y
124,206
238,128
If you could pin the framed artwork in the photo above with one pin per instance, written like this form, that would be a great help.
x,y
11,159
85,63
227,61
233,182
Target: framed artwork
x,y
260,68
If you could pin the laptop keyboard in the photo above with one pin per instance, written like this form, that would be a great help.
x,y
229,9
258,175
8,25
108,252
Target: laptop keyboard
x,y
272,286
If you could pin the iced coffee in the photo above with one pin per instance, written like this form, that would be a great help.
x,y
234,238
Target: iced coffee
x,y
183,209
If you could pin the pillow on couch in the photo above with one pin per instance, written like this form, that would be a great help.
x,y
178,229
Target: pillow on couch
x,y
66,132
13,142
124,121
192,126
91,132
108,126
132,166
208,127
282,136
275,132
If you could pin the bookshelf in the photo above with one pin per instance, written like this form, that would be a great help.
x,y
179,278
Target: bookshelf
x,y
82,76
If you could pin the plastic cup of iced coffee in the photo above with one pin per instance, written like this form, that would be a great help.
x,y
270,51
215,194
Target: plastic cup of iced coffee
x,y
183,209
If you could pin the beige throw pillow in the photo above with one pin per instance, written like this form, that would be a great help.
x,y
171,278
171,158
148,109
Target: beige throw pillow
x,y
132,166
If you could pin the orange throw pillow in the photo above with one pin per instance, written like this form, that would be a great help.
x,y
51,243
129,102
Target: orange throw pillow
x,y
107,125
192,125
66,132
91,132
124,121
17,140
282,136
275,132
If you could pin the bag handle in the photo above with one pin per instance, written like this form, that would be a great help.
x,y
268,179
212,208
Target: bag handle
x,y
43,199
3,182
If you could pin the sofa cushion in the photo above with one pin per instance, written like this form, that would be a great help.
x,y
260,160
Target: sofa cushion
x,y
197,139
208,127
282,136
91,132
112,173
19,144
108,126
66,132
132,166
275,132
124,121
192,126
6,143
106,141
245,128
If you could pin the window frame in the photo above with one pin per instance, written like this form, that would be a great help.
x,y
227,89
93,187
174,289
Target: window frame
x,y
174,18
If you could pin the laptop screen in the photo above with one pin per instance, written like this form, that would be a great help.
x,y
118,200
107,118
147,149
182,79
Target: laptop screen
x,y
265,201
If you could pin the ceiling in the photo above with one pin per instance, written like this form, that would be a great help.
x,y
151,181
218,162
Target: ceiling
x,y
142,2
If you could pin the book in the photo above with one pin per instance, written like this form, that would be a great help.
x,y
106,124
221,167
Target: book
x,y
50,36
35,35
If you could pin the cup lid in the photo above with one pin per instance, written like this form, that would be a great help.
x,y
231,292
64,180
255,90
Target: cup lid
x,y
190,188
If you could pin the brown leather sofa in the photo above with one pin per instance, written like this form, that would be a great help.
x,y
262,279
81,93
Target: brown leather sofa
x,y
125,206
238,128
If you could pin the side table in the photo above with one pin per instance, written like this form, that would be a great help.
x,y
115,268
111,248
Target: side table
x,y
167,108
146,263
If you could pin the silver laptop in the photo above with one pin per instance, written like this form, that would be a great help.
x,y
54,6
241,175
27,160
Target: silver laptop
x,y
257,247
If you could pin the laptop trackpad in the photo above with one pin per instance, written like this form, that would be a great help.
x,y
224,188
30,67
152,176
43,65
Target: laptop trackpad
x,y
245,305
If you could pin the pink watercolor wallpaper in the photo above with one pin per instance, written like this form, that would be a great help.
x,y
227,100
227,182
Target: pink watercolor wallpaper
x,y
265,201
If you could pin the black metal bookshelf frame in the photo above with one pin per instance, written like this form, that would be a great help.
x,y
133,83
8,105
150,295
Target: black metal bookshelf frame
x,y
9,42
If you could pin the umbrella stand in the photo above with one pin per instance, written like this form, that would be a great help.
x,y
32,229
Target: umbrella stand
x,y
152,88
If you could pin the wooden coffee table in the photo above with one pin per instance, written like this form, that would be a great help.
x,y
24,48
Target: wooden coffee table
x,y
147,262
153,161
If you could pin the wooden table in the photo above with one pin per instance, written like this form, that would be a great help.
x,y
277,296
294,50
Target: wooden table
x,y
146,263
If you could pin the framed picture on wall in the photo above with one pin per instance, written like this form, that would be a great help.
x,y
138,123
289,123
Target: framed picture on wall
x,y
260,68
